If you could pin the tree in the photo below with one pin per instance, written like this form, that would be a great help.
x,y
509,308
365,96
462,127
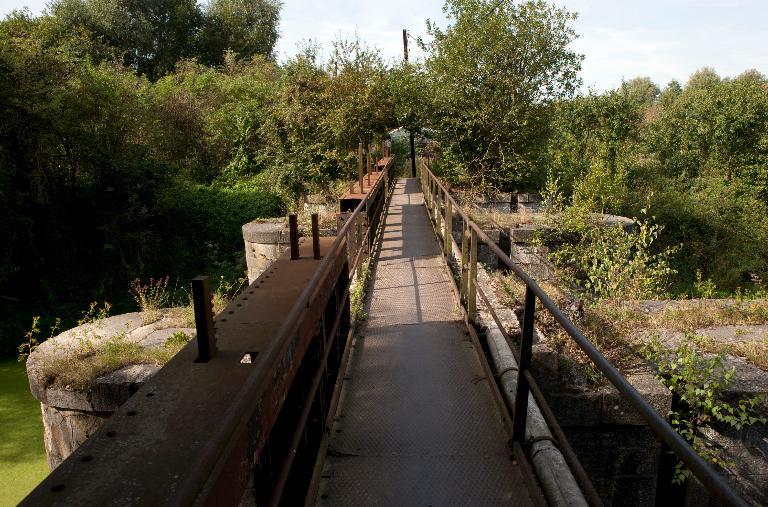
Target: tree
x,y
153,34
493,71
641,90
247,27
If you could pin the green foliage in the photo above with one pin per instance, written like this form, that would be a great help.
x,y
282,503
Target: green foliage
x,y
358,292
614,264
246,27
492,73
704,288
152,35
700,382
94,313
698,150
177,340
152,296
641,90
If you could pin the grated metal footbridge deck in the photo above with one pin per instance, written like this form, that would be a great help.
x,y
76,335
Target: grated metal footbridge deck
x,y
417,423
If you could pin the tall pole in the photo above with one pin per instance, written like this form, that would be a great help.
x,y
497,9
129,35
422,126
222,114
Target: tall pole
x,y
410,131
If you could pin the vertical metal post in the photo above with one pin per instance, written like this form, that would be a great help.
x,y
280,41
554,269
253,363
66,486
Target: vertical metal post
x,y
360,165
521,396
203,307
448,226
293,227
315,236
368,164
472,282
464,262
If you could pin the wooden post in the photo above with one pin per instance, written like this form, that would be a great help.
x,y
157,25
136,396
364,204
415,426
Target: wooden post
x,y
472,282
438,216
360,165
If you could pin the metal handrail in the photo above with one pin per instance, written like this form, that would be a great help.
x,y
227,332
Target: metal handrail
x,y
712,481
238,413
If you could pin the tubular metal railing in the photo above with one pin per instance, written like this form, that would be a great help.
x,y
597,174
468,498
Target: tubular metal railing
x,y
441,207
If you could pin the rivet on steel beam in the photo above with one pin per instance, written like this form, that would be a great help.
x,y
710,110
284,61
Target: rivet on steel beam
x,y
294,234
203,307
315,236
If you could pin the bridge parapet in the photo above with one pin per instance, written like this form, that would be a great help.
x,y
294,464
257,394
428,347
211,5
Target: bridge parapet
x,y
249,420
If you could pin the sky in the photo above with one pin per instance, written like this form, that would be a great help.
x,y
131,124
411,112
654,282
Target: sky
x,y
620,39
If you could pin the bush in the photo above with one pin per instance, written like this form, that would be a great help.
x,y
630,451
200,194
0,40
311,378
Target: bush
x,y
617,265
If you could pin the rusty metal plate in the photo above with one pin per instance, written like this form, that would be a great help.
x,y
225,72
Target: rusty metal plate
x,y
174,427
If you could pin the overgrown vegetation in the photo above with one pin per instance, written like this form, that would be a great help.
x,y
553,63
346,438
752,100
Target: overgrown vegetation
x,y
118,163
358,292
95,357
699,382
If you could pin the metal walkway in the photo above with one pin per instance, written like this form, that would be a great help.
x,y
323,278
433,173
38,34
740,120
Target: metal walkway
x,y
416,422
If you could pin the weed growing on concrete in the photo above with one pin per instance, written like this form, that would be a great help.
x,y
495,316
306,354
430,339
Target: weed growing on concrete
x,y
32,337
93,359
95,313
225,291
358,291
699,380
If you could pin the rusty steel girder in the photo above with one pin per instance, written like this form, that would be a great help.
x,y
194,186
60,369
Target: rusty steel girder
x,y
249,419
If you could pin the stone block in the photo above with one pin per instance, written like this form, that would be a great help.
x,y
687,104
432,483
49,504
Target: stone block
x,y
71,415
617,410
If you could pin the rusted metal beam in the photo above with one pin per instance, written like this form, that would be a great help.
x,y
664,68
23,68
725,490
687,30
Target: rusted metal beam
x,y
203,308
315,236
293,227
196,433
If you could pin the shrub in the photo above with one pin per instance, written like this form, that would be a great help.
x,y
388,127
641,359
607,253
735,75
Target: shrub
x,y
700,382
613,264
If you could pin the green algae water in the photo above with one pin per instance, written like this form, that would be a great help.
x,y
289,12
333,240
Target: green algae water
x,y
22,455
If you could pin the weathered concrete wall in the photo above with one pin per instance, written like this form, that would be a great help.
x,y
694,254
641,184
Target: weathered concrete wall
x,y
71,415
264,242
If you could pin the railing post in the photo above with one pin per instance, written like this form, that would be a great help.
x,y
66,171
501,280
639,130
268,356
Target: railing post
x,y
464,262
368,164
360,165
448,226
472,282
293,228
521,396
203,308
438,220
315,236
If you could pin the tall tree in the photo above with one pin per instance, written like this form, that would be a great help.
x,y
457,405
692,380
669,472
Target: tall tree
x,y
493,71
247,27
641,90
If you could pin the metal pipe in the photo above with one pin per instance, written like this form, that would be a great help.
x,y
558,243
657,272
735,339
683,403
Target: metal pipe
x,y
585,483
